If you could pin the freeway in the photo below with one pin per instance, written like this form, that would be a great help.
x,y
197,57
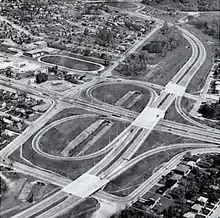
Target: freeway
x,y
136,160
47,202
149,183
126,144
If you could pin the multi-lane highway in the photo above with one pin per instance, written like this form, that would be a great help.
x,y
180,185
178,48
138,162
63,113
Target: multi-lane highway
x,y
126,144
149,183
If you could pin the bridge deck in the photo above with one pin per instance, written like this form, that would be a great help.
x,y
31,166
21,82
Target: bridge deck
x,y
148,118
85,185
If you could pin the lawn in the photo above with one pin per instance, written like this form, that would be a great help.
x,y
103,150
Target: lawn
x,y
58,137
10,201
71,169
173,115
187,104
160,138
169,65
111,93
132,178
109,136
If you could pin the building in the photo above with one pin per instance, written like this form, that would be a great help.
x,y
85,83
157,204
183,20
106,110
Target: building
x,y
196,208
49,50
41,44
202,200
29,47
34,53
182,169
189,215
7,121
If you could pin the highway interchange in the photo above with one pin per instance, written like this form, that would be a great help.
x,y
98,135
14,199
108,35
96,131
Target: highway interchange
x,y
122,149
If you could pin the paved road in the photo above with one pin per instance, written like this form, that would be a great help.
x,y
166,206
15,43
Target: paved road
x,y
149,183
185,74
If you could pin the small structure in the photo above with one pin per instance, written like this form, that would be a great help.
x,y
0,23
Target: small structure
x,y
34,53
7,121
191,164
182,169
189,215
41,44
49,50
196,208
175,177
29,47
202,200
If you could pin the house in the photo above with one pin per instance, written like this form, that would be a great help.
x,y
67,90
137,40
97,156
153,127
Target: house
x,y
202,200
7,121
196,208
4,104
182,169
204,164
175,177
9,133
189,215
49,50
41,44
191,164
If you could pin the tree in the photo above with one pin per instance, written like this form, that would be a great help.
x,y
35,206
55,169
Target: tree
x,y
41,77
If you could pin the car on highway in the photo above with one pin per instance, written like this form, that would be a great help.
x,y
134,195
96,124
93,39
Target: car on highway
x,y
116,115
102,177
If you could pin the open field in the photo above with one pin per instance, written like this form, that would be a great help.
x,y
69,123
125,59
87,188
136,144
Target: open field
x,y
132,178
187,104
173,115
163,69
113,132
58,137
111,93
10,203
71,169
169,65
83,210
70,62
